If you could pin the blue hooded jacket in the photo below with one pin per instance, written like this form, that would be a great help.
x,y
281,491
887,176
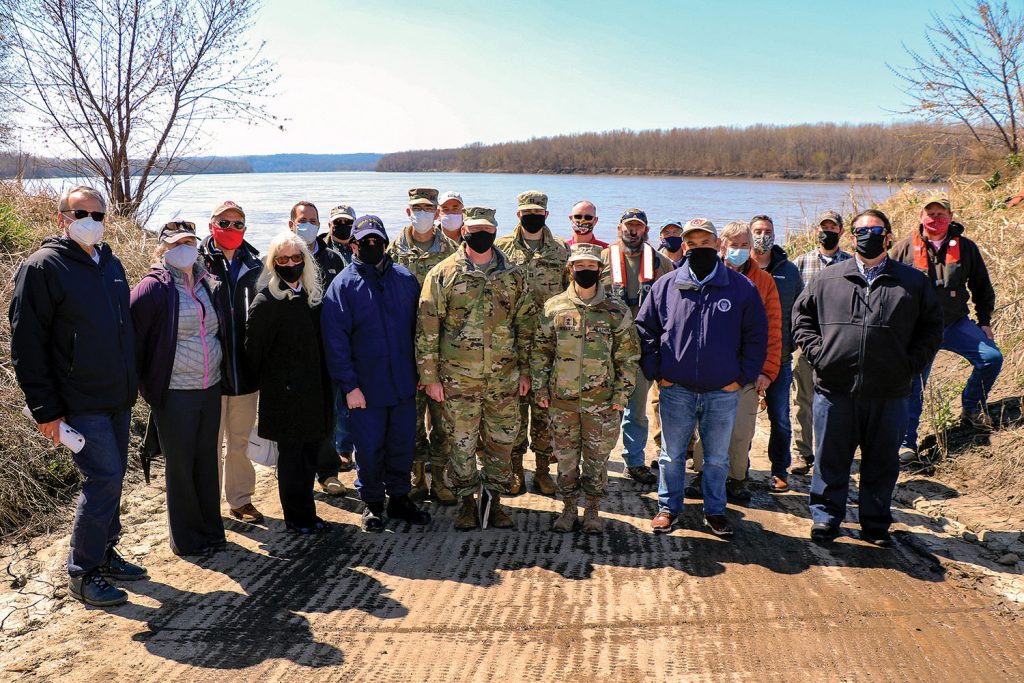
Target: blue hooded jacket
x,y
368,326
703,337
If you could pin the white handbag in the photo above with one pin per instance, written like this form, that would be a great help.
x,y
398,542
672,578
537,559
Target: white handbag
x,y
261,451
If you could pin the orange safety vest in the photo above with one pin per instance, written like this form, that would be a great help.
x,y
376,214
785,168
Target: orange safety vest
x,y
618,267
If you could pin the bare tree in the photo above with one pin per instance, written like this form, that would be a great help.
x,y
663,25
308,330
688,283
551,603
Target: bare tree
x,y
129,84
971,75
6,77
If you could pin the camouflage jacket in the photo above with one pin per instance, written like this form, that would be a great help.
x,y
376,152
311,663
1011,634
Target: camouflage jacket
x,y
545,268
406,252
474,323
585,352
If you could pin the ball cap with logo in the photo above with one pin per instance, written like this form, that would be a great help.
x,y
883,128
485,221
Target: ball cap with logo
x,y
368,225
225,206
450,195
343,211
479,215
633,215
704,224
532,199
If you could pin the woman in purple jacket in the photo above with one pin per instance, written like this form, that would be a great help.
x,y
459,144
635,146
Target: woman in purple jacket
x,y
178,354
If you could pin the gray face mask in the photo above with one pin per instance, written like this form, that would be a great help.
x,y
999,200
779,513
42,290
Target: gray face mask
x,y
182,257
763,242
307,231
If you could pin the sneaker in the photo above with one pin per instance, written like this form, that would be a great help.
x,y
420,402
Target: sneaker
x,y
116,567
980,421
737,490
401,507
248,513
804,468
332,486
880,537
662,522
93,589
718,525
694,489
642,475
777,485
372,520
907,456
822,532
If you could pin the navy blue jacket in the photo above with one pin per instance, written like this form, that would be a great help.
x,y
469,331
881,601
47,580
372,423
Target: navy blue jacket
x,y
703,337
368,326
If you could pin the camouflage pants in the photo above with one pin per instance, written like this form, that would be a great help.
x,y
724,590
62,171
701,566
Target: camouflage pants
x,y
483,422
432,447
539,426
583,441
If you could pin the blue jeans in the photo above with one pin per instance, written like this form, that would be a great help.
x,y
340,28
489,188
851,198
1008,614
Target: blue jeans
x,y
634,423
714,414
102,462
776,397
966,339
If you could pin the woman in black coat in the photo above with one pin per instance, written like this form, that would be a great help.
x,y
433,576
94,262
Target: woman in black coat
x,y
283,346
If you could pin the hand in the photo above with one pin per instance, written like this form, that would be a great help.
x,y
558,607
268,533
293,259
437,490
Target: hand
x,y
543,402
988,332
435,391
51,430
419,387
524,385
664,383
731,386
355,399
762,382
616,406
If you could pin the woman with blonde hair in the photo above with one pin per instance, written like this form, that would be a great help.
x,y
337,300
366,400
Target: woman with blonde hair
x,y
283,346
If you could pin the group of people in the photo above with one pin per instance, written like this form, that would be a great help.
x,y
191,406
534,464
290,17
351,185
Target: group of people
x,y
433,359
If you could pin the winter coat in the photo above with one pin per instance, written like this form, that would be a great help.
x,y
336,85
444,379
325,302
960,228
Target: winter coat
x,y
789,284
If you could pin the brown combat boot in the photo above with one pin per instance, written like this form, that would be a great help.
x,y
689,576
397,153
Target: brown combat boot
x,y
542,481
518,485
592,522
499,519
566,521
466,518
419,481
438,489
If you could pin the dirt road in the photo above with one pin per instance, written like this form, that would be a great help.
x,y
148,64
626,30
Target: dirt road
x,y
438,605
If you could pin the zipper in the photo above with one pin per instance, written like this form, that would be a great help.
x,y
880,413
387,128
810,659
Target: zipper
x,y
202,334
74,348
700,333
866,293
579,356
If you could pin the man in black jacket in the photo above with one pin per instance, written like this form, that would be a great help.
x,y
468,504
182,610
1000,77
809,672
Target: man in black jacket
x,y
72,347
237,265
953,263
867,326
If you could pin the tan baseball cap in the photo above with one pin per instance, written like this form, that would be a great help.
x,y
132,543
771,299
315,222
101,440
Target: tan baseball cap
x,y
224,206
939,199
585,252
831,215
479,215
704,224
533,199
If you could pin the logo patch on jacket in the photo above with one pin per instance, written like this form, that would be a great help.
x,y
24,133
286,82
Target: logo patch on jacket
x,y
724,305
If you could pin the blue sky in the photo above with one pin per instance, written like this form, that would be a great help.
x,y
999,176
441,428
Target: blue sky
x,y
388,75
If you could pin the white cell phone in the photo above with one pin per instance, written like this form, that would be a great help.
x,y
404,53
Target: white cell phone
x,y
69,436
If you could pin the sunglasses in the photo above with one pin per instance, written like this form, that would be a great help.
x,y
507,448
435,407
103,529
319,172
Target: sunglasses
x,y
180,225
79,214
234,225
874,230
285,260
582,217
341,222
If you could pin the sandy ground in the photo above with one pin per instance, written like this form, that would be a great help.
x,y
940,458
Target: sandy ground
x,y
434,604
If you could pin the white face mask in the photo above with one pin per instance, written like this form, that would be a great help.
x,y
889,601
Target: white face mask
x,y
86,231
422,221
182,257
307,231
451,221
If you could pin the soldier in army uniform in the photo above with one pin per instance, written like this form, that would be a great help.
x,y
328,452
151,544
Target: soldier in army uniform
x,y
449,211
542,257
473,337
420,247
631,265
584,365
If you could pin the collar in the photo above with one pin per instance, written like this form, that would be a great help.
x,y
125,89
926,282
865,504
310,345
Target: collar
x,y
599,296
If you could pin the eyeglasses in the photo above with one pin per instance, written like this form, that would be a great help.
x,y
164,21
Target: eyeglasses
x,y
179,225
79,214
873,229
582,217
234,225
285,260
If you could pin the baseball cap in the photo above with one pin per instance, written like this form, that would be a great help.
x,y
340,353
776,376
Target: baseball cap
x,y
368,225
584,252
633,215
177,230
831,215
343,211
450,195
422,195
670,222
224,206
479,215
938,199
532,199
704,224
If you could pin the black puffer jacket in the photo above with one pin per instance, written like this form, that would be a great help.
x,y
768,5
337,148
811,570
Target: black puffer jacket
x,y
867,340
72,342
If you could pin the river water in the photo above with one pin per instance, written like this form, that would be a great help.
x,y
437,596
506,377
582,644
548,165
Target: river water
x,y
268,197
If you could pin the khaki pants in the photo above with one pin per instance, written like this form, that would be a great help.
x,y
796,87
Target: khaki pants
x,y
654,400
803,397
742,436
237,476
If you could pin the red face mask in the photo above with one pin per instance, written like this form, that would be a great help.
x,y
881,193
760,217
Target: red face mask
x,y
936,227
227,238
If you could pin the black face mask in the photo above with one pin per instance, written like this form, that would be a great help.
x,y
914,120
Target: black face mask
x,y
532,222
702,260
870,246
672,243
828,240
371,252
480,241
290,273
342,232
586,278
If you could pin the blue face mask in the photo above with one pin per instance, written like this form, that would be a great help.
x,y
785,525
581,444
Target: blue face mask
x,y
672,243
737,257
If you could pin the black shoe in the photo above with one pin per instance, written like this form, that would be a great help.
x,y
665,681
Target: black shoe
x,y
737,490
718,525
822,532
404,509
694,489
880,537
93,589
804,468
373,518
116,567
642,475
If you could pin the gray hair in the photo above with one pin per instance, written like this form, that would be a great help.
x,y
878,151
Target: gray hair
x,y
735,229
65,197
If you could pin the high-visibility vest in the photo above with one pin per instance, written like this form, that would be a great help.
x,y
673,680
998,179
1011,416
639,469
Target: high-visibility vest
x,y
618,267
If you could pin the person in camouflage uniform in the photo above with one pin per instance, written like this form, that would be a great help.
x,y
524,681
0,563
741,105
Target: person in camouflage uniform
x,y
542,257
420,247
473,337
584,365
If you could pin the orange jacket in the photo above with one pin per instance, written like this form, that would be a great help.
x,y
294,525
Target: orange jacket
x,y
765,284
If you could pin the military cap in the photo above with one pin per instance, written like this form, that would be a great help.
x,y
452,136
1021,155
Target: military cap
x,y
633,215
368,225
831,215
700,224
533,199
227,206
422,195
343,211
939,199
479,215
584,252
